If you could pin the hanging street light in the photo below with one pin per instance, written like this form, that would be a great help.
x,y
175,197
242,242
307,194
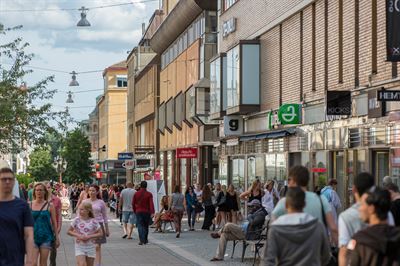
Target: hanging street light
x,y
23,87
73,81
83,22
69,99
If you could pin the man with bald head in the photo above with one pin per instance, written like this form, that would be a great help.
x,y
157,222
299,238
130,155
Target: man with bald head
x,y
127,211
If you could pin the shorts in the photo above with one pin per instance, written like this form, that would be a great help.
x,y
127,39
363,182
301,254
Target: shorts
x,y
128,217
102,239
85,250
46,245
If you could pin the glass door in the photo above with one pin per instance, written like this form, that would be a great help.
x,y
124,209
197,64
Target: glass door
x,y
381,167
338,174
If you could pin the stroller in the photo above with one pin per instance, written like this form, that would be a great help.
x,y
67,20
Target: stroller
x,y
66,211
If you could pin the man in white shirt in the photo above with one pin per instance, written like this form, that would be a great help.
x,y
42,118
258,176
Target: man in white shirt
x,y
128,216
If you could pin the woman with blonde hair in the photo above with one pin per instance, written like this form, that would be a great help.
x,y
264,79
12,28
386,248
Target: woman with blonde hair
x,y
255,192
45,224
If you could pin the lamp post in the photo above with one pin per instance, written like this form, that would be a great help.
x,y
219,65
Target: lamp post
x,y
60,165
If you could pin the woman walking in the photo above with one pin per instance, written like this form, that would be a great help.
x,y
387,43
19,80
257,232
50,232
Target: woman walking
x,y
177,206
222,206
100,214
233,203
45,224
85,229
209,208
191,202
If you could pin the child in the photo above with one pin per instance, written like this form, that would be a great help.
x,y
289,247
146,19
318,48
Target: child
x,y
85,229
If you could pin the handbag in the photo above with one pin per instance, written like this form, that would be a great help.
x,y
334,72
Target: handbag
x,y
333,260
198,208
222,199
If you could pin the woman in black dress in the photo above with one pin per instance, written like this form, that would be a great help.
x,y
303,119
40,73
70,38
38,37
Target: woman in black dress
x,y
222,206
209,209
233,202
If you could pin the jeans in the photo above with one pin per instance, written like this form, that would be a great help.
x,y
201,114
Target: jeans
x,y
191,213
142,223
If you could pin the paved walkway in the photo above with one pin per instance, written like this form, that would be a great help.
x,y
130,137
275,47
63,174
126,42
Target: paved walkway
x,y
192,248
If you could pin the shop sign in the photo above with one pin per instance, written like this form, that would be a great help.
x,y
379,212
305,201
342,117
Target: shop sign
x,y
228,27
338,103
375,108
393,30
99,175
125,156
144,150
143,163
388,96
233,125
129,164
189,153
318,170
118,165
290,114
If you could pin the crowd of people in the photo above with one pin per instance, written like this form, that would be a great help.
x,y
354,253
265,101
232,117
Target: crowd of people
x,y
303,227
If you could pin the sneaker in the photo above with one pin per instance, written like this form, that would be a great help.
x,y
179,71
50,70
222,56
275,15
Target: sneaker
x,y
140,243
216,259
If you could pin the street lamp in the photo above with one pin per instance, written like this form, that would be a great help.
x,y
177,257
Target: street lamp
x,y
69,99
61,166
73,81
83,22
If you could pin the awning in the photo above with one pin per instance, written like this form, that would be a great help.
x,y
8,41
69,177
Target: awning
x,y
270,135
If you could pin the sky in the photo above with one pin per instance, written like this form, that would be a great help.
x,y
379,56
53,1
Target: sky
x,y
62,47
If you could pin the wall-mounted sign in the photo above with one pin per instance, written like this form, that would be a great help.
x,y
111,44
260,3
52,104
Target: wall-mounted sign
x,y
182,153
290,114
338,103
233,125
143,163
129,164
388,96
228,27
393,30
125,156
144,150
375,108
99,175
118,165
318,170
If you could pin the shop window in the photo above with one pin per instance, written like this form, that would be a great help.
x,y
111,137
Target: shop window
x,y
395,157
170,117
229,3
218,89
243,78
198,103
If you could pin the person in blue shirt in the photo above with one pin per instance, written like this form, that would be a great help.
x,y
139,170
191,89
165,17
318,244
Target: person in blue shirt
x,y
191,201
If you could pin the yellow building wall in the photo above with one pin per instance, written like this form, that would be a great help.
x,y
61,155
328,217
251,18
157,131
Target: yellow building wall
x,y
117,123
145,87
177,77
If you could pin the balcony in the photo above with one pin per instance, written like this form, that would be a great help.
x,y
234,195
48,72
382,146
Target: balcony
x,y
243,78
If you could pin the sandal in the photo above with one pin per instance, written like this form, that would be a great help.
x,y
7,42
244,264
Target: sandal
x,y
216,259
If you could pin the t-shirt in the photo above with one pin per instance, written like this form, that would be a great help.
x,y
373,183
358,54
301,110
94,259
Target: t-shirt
x,y
30,194
99,210
395,210
14,216
127,196
85,227
313,206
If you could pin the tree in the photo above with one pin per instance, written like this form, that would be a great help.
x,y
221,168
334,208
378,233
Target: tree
x,y
77,154
41,165
25,179
24,111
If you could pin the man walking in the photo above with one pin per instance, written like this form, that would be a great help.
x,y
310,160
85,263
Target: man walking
x,y
379,243
395,205
16,230
143,207
127,210
349,220
297,238
315,206
329,192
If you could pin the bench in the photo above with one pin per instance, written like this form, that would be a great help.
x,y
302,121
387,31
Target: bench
x,y
257,243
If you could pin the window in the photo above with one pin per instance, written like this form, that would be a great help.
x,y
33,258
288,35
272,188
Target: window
x,y
122,82
229,3
169,114
215,87
233,71
161,118
179,110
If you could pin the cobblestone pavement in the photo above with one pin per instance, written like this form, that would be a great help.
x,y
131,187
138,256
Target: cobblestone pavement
x,y
192,248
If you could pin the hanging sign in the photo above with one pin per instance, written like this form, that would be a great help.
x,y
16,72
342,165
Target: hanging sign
x,y
393,30
290,114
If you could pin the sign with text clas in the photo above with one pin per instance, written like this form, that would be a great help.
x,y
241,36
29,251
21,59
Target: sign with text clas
x,y
393,30
338,103
188,153
233,125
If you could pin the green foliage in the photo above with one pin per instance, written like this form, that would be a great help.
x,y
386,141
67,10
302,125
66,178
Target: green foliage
x,y
41,165
25,179
77,154
24,110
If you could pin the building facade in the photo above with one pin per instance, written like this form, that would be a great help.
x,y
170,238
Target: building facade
x,y
112,112
185,41
296,83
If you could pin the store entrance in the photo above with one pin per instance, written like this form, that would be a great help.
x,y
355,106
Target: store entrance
x,y
380,167
338,173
